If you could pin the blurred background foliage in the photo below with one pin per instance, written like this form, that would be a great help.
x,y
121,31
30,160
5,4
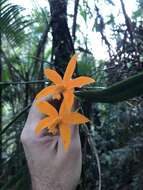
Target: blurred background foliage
x,y
28,45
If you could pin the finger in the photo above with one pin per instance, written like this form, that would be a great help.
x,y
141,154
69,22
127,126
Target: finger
x,y
74,141
48,142
29,137
74,132
35,115
54,102
45,98
47,138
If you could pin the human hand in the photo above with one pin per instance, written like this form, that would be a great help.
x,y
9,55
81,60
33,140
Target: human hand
x,y
51,167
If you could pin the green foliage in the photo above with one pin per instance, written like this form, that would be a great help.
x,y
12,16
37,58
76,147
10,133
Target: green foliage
x,y
11,23
118,138
86,66
83,13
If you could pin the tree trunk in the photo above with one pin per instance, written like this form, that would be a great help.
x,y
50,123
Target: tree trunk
x,y
62,42
0,102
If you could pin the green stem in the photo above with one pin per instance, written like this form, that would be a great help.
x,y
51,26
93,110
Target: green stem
x,y
120,91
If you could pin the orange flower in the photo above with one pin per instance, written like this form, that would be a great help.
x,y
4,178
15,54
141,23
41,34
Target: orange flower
x,y
63,120
64,86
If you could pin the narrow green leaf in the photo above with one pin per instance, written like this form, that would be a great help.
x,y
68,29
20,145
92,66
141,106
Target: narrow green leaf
x,y
124,90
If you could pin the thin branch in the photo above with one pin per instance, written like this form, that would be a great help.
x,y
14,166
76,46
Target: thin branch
x,y
99,16
22,70
13,120
95,154
129,27
11,66
43,40
42,60
0,98
93,150
84,50
74,20
41,44
23,82
127,21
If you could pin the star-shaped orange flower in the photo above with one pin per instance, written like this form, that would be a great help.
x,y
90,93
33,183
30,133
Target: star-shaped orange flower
x,y
64,86
61,121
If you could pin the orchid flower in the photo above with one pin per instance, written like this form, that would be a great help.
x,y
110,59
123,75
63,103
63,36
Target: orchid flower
x,y
66,85
61,121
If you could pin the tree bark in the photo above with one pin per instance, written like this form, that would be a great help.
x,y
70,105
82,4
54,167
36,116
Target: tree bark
x,y
62,42
0,102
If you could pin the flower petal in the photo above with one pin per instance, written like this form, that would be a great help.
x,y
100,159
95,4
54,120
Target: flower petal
x,y
69,99
75,118
70,68
80,81
65,133
63,108
44,123
46,91
47,108
53,76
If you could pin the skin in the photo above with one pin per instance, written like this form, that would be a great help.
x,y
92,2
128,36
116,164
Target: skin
x,y
51,168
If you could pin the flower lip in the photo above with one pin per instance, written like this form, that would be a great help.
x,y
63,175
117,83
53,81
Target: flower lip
x,y
61,88
59,120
